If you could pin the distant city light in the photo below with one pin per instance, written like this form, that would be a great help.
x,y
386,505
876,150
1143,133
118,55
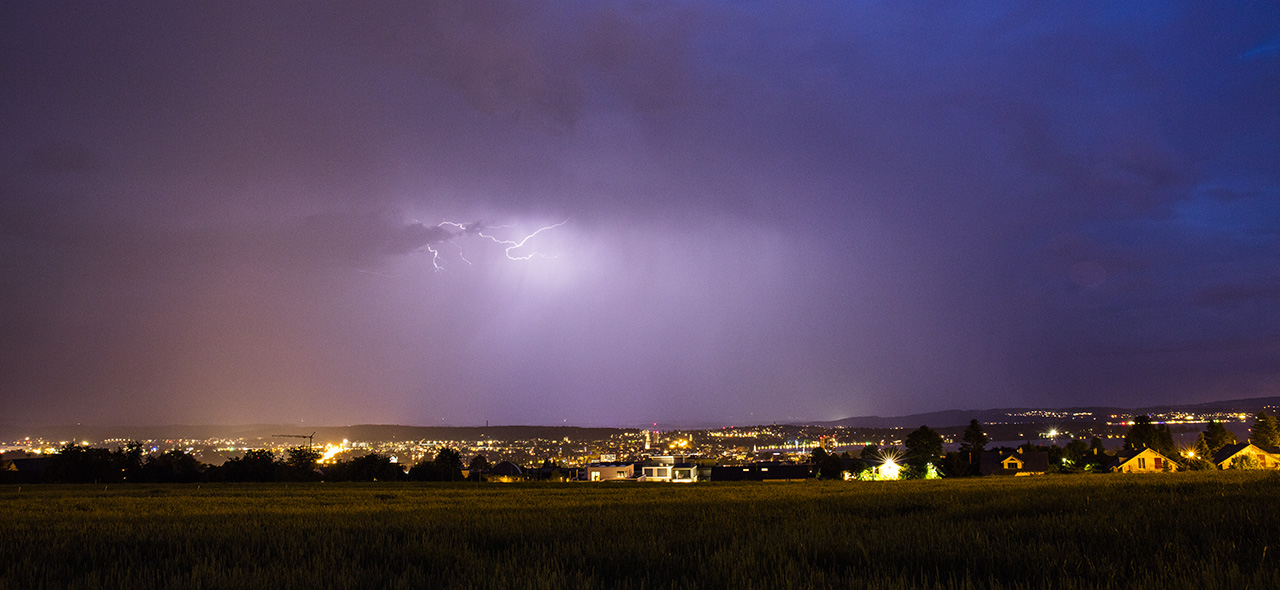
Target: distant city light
x,y
330,450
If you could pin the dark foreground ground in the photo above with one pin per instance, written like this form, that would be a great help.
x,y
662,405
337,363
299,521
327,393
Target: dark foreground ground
x,y
1196,530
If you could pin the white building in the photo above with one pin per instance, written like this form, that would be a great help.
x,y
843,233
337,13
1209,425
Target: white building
x,y
610,471
669,468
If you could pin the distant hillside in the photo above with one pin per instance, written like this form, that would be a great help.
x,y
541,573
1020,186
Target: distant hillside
x,y
1247,405
429,433
323,434
391,432
949,418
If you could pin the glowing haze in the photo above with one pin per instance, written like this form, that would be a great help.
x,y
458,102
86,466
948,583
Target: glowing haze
x,y
616,213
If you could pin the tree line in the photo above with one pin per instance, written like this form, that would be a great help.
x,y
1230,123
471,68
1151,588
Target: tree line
x,y
923,453
921,457
82,464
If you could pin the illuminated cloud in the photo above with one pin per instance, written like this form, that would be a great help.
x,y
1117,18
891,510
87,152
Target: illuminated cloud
x,y
776,212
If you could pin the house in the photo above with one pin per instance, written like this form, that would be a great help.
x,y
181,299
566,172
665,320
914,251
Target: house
x,y
881,467
1017,462
762,471
1143,461
669,468
677,472
1239,455
26,469
611,471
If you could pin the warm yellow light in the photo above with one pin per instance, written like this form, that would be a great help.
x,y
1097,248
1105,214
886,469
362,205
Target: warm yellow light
x,y
329,451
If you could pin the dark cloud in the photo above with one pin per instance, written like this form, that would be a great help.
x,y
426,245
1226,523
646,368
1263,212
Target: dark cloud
x,y
233,212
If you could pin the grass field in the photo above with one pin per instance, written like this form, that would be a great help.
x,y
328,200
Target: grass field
x,y
1196,530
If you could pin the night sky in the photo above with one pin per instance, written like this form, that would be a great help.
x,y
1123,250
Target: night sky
x,y
225,212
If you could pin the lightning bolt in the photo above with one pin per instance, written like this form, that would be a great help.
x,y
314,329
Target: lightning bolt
x,y
479,229
514,245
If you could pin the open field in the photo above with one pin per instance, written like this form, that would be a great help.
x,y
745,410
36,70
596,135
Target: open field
x,y
1196,530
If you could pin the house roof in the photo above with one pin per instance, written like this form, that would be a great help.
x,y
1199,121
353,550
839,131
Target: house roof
x,y
1123,457
32,463
992,462
1229,451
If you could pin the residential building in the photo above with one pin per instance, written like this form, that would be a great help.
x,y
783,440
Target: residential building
x,y
764,471
1243,453
1143,461
1017,462
671,472
611,471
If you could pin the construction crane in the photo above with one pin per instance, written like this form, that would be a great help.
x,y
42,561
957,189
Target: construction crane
x,y
310,437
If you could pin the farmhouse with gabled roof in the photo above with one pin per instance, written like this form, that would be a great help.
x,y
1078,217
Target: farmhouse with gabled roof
x,y
1143,461
1232,455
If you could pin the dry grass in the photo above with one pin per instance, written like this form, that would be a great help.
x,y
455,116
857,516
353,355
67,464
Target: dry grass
x,y
1201,530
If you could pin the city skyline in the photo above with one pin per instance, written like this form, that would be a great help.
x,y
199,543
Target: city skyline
x,y
622,213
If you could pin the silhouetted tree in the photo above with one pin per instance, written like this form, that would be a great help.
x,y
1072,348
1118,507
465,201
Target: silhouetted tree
x,y
817,455
129,459
828,466
425,470
253,465
371,467
957,464
975,440
1141,434
1199,457
1264,431
1201,449
852,465
300,464
924,446
1074,453
478,465
1217,436
1144,434
870,453
79,464
174,466
447,457
446,466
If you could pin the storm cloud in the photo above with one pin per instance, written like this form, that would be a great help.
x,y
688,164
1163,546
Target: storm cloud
x,y
221,213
